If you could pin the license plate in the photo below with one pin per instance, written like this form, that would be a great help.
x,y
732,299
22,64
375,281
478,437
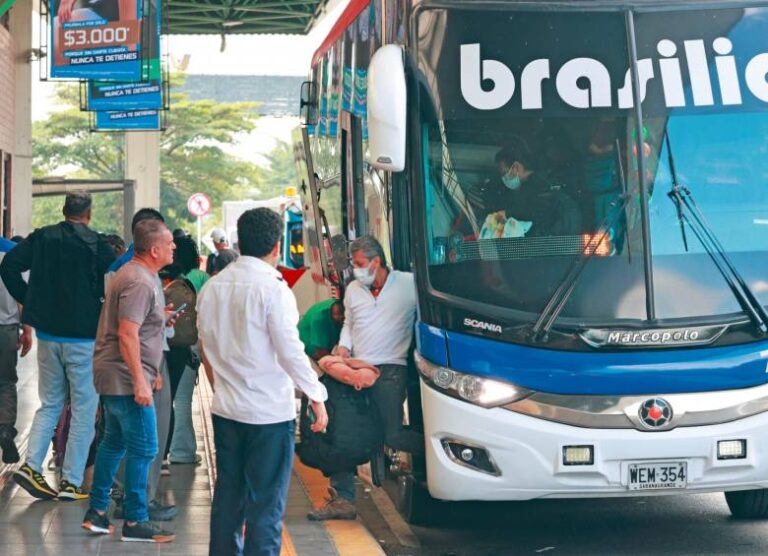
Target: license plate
x,y
652,476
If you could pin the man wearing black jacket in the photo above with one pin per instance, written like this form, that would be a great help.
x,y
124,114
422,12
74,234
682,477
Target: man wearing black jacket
x,y
62,302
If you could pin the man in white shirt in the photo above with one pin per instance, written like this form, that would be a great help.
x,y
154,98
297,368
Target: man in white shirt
x,y
380,310
250,348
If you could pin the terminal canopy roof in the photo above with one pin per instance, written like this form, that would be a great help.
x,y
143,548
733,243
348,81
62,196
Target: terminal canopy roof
x,y
218,17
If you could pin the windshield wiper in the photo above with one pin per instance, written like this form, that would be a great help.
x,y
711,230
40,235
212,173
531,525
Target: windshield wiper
x,y
675,185
556,304
684,201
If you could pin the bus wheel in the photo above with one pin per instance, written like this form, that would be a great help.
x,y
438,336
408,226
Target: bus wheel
x,y
414,502
748,504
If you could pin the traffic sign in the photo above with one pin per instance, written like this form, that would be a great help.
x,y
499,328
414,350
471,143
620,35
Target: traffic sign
x,y
199,204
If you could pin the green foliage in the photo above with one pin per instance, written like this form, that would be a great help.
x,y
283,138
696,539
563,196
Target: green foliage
x,y
107,212
282,171
191,158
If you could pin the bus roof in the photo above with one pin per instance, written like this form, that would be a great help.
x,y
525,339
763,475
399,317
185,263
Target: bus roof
x,y
353,9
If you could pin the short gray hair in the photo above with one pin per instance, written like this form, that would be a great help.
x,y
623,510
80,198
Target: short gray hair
x,y
370,247
77,203
147,234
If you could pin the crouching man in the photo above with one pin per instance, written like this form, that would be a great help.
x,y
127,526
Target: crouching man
x,y
379,314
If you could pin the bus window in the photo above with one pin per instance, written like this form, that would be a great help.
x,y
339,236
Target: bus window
x,y
718,152
296,250
377,208
512,196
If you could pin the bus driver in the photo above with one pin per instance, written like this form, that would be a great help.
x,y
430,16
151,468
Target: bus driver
x,y
538,207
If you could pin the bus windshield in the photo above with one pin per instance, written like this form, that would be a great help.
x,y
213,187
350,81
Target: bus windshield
x,y
518,183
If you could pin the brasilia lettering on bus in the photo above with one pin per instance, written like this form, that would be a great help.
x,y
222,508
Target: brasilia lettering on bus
x,y
475,70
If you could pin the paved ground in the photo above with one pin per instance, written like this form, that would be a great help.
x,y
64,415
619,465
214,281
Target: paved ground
x,y
31,527
679,525
684,525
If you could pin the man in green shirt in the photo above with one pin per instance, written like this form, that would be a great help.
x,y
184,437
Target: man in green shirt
x,y
320,327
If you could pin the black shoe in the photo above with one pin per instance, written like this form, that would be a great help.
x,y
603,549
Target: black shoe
x,y
10,452
146,531
34,483
158,512
97,523
197,460
378,466
69,492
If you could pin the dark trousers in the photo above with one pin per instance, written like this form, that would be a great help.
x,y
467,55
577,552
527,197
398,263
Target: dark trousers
x,y
9,339
388,393
253,470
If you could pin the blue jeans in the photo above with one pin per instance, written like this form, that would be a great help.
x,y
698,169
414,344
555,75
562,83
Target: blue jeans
x,y
130,431
183,443
64,368
253,464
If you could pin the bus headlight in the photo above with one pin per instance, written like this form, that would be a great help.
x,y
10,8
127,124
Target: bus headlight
x,y
485,392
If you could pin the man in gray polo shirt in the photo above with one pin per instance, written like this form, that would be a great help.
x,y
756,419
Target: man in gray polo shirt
x,y
126,363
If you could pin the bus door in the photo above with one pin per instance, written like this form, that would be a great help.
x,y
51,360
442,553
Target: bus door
x,y
352,176
317,236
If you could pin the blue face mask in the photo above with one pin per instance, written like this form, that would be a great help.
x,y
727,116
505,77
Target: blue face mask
x,y
511,182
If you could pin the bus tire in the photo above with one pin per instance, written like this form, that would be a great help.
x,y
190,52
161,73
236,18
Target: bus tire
x,y
414,501
748,504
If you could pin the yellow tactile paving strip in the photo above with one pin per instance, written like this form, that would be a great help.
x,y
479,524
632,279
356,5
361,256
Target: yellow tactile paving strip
x,y
205,394
287,549
350,537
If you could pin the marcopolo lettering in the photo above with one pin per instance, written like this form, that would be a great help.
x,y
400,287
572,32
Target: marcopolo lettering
x,y
660,337
585,83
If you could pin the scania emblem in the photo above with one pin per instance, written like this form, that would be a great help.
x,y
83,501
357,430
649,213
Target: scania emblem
x,y
655,413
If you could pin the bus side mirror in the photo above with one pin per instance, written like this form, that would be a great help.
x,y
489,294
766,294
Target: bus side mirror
x,y
387,109
308,106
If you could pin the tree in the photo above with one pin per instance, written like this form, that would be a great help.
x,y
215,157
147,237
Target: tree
x,y
191,156
282,171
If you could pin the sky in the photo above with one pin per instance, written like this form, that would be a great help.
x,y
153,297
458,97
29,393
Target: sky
x,y
254,54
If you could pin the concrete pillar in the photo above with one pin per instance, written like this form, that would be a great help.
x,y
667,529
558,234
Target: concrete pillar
x,y
142,164
21,170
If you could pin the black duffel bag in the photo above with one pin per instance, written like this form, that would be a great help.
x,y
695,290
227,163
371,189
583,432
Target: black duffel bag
x,y
353,430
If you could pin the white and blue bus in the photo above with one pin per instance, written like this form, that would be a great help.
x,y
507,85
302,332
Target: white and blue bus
x,y
581,189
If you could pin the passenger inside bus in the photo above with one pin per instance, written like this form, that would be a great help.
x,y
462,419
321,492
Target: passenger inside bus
x,y
528,201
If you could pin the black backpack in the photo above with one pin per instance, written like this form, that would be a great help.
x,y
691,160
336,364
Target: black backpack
x,y
354,430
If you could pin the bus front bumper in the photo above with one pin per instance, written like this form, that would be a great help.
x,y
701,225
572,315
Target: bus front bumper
x,y
525,455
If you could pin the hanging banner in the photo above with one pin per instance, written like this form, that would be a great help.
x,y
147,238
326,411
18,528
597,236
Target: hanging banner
x,y
144,95
100,41
103,95
135,120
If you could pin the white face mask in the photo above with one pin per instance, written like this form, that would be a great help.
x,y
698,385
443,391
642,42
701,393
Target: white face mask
x,y
364,275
